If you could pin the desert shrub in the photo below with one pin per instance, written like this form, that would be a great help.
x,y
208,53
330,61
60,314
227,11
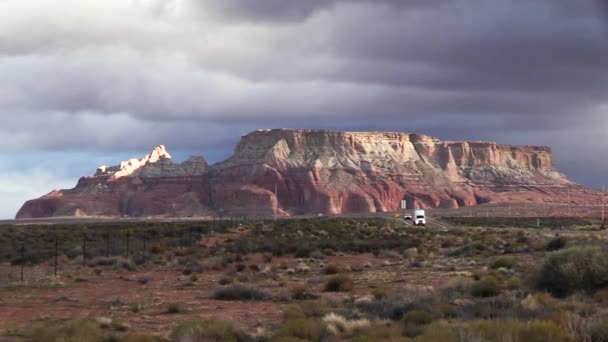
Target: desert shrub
x,y
300,292
208,330
242,278
504,262
398,303
601,296
317,254
556,243
332,269
494,330
315,308
597,330
380,332
417,317
339,283
174,308
240,292
267,257
119,326
381,293
72,331
158,249
308,329
574,269
414,322
515,283
294,311
486,287
303,252
225,280
138,337
448,310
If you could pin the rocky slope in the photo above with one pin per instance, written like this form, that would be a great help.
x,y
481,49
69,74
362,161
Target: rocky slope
x,y
287,172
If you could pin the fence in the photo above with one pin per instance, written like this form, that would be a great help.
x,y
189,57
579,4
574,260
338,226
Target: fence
x,y
38,252
524,209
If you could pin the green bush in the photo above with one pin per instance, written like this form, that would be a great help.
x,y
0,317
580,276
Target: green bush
x,y
308,329
574,269
208,330
240,292
225,280
555,244
417,317
332,269
414,322
300,292
486,287
72,331
339,283
494,330
303,252
504,262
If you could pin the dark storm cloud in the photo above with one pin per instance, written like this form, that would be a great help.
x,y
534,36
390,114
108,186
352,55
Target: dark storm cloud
x,y
120,75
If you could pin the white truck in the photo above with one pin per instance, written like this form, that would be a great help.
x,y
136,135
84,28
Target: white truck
x,y
419,218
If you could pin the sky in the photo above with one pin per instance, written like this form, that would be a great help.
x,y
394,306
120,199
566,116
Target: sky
x,y
87,82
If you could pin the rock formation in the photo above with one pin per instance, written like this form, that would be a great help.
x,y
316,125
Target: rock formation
x,y
288,172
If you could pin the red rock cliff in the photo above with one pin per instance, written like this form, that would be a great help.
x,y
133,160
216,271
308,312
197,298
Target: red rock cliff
x,y
288,171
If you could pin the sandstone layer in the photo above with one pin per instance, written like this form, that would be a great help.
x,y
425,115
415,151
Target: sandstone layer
x,y
290,172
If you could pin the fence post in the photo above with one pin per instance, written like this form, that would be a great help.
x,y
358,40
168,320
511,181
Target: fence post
x,y
22,260
56,253
107,244
128,238
144,251
84,249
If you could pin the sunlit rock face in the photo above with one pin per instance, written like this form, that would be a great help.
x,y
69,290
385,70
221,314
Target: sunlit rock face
x,y
291,171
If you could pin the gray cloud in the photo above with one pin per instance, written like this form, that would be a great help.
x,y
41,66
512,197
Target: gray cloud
x,y
121,75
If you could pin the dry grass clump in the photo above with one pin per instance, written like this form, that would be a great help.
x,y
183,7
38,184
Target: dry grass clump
x,y
208,330
240,292
339,325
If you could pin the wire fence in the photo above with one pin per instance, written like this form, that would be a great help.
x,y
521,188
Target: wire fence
x,y
524,209
37,252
